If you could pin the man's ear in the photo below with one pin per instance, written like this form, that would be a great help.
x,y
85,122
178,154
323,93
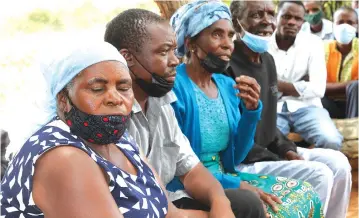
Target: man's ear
x,y
238,28
128,57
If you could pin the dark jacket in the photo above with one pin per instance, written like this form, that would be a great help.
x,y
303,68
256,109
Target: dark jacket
x,y
269,144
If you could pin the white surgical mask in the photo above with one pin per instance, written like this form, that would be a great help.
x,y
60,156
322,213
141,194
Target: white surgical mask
x,y
258,44
344,33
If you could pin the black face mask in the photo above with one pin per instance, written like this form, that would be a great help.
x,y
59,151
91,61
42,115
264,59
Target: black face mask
x,y
157,88
213,64
98,129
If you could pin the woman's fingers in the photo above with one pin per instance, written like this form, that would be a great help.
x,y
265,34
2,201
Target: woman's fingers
x,y
249,90
268,200
249,81
248,99
276,199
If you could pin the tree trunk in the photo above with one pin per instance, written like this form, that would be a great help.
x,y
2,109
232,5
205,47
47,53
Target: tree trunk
x,y
168,8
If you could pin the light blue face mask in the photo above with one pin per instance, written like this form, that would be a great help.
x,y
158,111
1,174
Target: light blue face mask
x,y
258,44
344,33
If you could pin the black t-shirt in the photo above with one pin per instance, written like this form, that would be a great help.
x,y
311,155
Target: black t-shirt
x,y
266,75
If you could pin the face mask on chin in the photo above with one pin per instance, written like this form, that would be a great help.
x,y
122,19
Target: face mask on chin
x,y
97,129
158,87
212,63
258,44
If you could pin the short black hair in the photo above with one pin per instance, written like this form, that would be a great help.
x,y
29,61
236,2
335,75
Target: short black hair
x,y
237,8
281,3
128,29
318,2
347,8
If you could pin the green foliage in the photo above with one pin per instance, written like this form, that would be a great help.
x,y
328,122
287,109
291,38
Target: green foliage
x,y
82,17
34,21
227,2
329,7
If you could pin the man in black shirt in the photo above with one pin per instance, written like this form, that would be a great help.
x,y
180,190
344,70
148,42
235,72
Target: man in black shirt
x,y
272,153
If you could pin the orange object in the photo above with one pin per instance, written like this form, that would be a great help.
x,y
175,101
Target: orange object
x,y
333,59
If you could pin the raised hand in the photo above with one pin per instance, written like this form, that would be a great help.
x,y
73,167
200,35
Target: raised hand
x,y
249,91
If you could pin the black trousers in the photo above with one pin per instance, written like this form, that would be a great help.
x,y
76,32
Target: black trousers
x,y
244,203
347,108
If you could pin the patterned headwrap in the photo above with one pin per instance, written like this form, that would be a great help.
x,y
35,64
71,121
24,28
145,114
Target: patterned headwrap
x,y
192,18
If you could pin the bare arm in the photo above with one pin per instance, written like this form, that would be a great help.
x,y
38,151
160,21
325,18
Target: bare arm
x,y
203,186
173,211
336,89
287,89
68,183
314,85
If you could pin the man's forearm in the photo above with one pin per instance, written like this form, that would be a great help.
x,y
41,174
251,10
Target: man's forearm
x,y
203,186
287,89
336,89
173,211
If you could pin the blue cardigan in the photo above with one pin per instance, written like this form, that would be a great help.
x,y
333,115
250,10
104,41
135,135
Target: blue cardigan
x,y
242,127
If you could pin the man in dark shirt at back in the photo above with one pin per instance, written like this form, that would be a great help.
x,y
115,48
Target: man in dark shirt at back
x,y
272,153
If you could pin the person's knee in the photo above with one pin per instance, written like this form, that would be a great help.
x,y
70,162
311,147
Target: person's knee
x,y
322,171
330,140
321,178
245,203
340,165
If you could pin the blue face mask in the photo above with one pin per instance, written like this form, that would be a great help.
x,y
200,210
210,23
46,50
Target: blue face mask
x,y
344,33
258,44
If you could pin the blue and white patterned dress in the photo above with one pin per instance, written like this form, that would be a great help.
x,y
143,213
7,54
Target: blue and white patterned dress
x,y
136,196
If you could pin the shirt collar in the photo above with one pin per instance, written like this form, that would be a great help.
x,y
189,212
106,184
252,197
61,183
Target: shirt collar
x,y
169,98
275,45
327,27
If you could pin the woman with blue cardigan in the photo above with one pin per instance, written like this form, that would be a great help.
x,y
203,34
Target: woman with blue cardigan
x,y
219,115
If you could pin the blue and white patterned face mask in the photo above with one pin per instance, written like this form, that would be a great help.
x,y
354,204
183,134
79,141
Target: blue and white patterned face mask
x,y
258,44
344,33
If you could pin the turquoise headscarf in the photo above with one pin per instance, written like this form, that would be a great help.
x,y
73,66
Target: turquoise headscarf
x,y
192,18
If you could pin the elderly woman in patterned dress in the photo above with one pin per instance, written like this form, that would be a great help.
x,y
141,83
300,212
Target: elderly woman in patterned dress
x,y
82,162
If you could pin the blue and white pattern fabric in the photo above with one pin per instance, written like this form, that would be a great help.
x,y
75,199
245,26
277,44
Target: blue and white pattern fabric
x,y
136,195
192,18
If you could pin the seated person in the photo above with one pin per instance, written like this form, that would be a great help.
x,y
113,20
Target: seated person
x,y
147,42
341,54
83,163
316,23
327,170
298,55
207,109
4,141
